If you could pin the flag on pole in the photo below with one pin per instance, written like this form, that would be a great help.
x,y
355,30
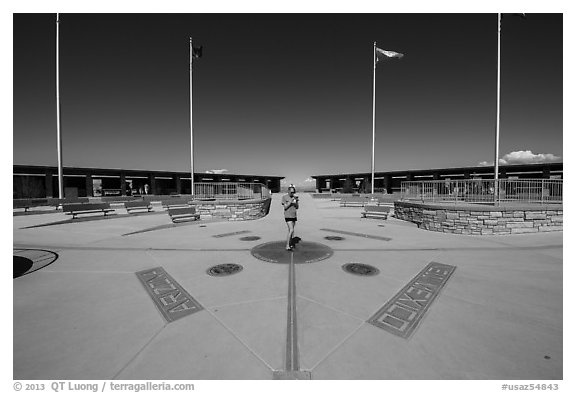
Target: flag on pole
x,y
381,53
197,52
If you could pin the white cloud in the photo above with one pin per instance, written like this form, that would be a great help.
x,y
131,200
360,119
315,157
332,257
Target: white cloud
x,y
217,171
527,157
523,157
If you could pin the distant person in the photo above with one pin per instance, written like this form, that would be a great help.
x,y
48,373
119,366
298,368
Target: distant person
x,y
146,189
290,204
141,191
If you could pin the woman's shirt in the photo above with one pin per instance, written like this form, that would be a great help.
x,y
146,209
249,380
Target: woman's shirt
x,y
291,211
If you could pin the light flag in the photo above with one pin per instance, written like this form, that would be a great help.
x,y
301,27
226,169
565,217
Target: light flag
x,y
387,53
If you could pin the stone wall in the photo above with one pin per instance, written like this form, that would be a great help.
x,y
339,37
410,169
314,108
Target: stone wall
x,y
233,210
481,219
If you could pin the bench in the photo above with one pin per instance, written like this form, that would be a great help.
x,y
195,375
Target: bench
x,y
57,202
183,213
176,202
28,203
353,201
133,205
81,208
376,212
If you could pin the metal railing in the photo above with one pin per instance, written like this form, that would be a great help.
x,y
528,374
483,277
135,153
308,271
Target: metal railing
x,y
230,191
484,191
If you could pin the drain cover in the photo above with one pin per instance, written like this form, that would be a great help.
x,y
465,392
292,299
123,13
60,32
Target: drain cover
x,y
224,269
249,238
333,238
303,252
360,269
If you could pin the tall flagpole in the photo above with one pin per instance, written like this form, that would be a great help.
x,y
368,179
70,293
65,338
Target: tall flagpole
x,y
191,128
373,114
58,131
497,142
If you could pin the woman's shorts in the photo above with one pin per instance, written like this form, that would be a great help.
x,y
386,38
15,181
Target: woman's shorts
x,y
290,219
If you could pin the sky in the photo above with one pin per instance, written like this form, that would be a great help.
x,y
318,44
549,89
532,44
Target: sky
x,y
287,94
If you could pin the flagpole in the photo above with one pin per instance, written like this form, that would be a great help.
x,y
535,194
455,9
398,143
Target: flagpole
x,y
191,128
58,125
373,114
497,142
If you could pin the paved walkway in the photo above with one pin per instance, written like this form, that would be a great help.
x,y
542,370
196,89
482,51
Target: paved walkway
x,y
88,316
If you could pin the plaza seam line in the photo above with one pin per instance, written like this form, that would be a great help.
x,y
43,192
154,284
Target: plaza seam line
x,y
247,302
292,361
400,281
229,330
338,345
330,307
140,350
238,338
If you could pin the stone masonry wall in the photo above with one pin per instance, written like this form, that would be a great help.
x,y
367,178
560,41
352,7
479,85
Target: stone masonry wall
x,y
481,220
233,210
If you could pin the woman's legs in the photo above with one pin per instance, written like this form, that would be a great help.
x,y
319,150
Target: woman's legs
x,y
290,225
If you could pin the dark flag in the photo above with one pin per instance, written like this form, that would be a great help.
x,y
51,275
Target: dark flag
x,y
197,52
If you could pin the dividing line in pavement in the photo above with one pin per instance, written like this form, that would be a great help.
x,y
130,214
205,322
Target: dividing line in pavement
x,y
292,361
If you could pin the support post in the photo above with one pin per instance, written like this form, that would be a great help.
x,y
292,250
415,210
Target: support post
x,y
373,115
497,142
191,127
58,122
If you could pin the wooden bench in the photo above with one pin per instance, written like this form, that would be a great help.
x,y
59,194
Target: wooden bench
x,y
134,205
178,214
355,201
81,208
28,203
176,202
57,202
376,211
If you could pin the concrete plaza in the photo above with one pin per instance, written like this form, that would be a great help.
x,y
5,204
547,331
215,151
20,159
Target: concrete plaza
x,y
87,315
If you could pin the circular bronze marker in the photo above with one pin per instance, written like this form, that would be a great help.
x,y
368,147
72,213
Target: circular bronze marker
x,y
303,252
360,269
224,269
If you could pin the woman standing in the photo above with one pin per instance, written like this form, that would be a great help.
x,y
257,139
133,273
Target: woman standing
x,y
290,204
